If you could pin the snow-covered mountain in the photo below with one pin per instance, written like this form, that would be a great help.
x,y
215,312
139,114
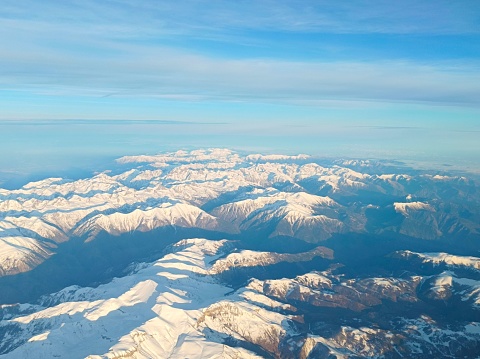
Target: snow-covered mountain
x,y
221,191
156,311
176,307
302,258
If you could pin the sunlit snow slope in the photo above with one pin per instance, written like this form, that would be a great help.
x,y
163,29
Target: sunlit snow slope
x,y
219,254
221,191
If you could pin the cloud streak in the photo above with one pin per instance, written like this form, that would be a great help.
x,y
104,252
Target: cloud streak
x,y
178,75
198,18
101,122
123,49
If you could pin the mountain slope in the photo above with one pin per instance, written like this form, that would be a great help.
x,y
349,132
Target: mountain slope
x,y
219,190
158,306
178,307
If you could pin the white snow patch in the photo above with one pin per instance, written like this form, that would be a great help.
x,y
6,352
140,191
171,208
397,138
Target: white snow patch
x,y
39,337
405,208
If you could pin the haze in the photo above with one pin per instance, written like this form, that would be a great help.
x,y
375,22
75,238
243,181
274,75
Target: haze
x,y
84,82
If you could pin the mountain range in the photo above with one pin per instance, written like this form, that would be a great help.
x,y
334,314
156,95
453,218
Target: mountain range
x,y
216,253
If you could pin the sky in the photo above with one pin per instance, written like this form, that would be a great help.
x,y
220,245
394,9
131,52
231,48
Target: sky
x,y
334,78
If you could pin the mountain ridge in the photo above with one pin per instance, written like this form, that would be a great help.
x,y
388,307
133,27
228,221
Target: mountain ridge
x,y
58,209
220,254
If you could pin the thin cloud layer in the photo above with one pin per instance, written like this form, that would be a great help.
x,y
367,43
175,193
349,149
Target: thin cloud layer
x,y
179,75
200,18
191,51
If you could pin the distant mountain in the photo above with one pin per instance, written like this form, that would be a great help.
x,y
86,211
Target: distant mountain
x,y
219,190
302,258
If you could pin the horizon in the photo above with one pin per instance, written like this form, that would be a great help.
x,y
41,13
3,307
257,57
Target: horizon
x,y
86,82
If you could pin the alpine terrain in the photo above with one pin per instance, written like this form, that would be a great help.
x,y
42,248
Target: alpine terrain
x,y
221,254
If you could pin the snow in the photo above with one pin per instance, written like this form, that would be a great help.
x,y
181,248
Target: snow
x,y
43,183
178,214
175,308
20,254
450,259
38,226
138,294
297,214
245,321
405,208
447,282
442,283
160,314
259,157
471,292
314,280
444,258
249,258
354,342
394,177
265,302
170,307
39,337
170,189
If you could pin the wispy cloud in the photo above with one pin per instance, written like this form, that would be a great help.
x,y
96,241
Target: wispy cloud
x,y
124,48
101,122
179,75
391,127
200,18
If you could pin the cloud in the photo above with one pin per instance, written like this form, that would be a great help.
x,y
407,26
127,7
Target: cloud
x,y
130,49
390,127
198,18
173,74
110,122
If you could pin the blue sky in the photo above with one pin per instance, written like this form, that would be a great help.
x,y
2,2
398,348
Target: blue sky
x,y
377,69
